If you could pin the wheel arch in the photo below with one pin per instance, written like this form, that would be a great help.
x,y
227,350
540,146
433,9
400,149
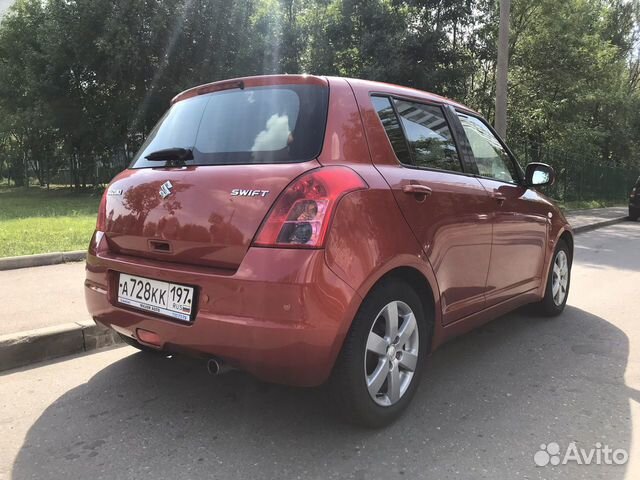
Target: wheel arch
x,y
565,234
567,237
421,285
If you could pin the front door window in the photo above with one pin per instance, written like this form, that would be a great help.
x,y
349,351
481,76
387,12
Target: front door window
x,y
491,158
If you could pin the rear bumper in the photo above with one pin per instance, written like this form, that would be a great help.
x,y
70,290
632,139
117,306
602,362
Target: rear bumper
x,y
281,316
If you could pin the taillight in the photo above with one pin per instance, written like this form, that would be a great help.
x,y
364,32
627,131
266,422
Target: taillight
x,y
300,217
101,222
94,243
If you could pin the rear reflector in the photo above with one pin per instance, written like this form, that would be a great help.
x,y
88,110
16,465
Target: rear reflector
x,y
151,338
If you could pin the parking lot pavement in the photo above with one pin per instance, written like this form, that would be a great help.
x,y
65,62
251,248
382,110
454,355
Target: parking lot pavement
x,y
40,297
487,403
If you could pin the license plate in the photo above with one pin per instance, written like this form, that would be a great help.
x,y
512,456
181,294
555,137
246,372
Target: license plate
x,y
170,299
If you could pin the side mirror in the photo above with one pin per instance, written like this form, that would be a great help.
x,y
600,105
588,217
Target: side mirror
x,y
539,175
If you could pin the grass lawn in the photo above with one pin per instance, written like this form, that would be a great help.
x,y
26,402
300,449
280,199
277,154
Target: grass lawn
x,y
34,220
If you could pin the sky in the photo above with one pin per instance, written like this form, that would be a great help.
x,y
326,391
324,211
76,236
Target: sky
x,y
4,4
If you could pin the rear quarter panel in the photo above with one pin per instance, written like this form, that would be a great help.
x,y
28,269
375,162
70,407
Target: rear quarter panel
x,y
368,237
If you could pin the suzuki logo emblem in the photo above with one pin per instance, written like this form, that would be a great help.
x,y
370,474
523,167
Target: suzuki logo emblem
x,y
165,189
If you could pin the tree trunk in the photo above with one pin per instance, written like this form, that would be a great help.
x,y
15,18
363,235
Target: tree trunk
x,y
71,170
502,70
76,172
25,164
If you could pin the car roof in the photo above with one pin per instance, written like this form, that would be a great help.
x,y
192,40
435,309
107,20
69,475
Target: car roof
x,y
356,83
407,92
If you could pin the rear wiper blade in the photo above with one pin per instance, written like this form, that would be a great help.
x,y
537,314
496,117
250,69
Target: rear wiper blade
x,y
171,154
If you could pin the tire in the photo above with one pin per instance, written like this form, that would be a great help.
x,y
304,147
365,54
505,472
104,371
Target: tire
x,y
357,364
634,214
553,304
135,344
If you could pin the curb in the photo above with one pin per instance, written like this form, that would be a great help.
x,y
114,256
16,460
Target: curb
x,y
40,260
595,226
34,346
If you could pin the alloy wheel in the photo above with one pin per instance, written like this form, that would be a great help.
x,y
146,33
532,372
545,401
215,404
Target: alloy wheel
x,y
560,279
391,353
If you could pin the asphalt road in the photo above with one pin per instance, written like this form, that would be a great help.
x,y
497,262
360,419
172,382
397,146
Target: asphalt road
x,y
487,402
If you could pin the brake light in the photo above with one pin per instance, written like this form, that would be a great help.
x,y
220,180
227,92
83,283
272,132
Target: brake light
x,y
300,217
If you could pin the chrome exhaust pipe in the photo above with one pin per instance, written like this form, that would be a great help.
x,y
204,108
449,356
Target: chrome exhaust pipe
x,y
216,366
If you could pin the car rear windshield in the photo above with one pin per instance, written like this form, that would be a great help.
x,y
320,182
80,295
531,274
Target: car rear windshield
x,y
274,124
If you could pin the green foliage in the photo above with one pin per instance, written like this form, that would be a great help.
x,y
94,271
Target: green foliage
x,y
83,81
570,82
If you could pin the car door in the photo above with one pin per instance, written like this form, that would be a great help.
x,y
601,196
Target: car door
x,y
447,209
520,216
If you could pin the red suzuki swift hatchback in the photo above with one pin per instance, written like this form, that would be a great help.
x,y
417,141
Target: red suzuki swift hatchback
x,y
309,229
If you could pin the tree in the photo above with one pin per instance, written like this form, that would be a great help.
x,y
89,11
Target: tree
x,y
82,82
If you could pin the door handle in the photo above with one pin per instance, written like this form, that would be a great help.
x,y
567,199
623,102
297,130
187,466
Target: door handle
x,y
499,197
417,189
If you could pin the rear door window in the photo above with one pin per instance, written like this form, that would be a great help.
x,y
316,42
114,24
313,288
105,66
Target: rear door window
x,y
258,125
429,136
420,136
393,128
